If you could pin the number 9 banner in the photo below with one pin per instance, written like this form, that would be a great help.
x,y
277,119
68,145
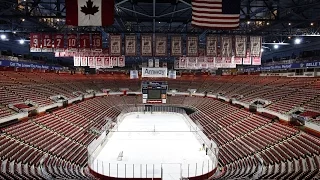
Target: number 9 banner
x,y
96,42
35,42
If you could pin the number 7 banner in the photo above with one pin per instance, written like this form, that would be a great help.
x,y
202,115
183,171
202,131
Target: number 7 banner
x,y
58,42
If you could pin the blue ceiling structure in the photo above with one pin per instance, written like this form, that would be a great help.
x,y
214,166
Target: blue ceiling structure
x,y
278,21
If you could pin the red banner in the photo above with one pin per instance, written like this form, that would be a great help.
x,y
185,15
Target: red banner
x,y
84,42
96,42
35,42
47,43
58,42
72,42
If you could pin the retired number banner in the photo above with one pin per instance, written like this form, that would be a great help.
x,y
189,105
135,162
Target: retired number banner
x,y
84,61
211,46
121,61
241,46
84,42
146,45
255,46
96,42
35,42
161,46
176,46
226,46
72,43
130,45
115,45
58,42
192,45
47,43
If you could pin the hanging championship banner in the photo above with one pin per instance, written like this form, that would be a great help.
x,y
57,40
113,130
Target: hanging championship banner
x,y
84,61
256,60
192,46
107,62
46,43
96,42
114,61
84,43
76,61
156,63
237,60
134,74
211,46
58,42
176,46
35,42
246,60
115,45
130,45
121,61
226,46
255,46
150,63
72,42
241,46
146,45
182,62
172,74
99,62
91,62
192,62
161,46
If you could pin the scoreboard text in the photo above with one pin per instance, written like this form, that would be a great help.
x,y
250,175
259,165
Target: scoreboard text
x,y
154,92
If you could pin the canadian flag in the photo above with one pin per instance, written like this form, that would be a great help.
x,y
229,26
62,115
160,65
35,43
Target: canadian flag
x,y
89,12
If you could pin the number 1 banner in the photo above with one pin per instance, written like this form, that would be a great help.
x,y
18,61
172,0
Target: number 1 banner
x,y
84,42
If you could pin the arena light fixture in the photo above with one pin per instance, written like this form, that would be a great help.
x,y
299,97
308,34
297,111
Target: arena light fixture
x,y
276,46
297,41
262,49
311,24
21,41
3,37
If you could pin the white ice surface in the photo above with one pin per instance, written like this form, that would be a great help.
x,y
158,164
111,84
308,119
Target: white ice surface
x,y
149,142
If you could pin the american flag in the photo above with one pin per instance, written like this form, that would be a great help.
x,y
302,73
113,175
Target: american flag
x,y
217,14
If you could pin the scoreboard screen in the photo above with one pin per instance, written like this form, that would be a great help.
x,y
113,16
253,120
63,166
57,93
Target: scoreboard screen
x,y
154,92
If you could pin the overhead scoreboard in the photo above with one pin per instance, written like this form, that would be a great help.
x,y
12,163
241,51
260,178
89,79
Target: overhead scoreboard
x,y
154,92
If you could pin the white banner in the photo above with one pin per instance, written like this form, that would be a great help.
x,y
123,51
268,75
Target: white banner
x,y
114,61
130,45
246,60
172,74
154,72
161,46
156,63
192,45
241,46
192,62
115,45
150,63
183,62
176,46
107,63
76,61
226,46
255,46
256,60
237,60
122,61
91,62
84,61
134,74
211,46
99,62
146,45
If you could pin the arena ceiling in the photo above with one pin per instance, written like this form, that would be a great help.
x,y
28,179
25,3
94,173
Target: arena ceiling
x,y
278,21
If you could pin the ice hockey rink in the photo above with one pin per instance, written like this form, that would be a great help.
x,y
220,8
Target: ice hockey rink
x,y
153,145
